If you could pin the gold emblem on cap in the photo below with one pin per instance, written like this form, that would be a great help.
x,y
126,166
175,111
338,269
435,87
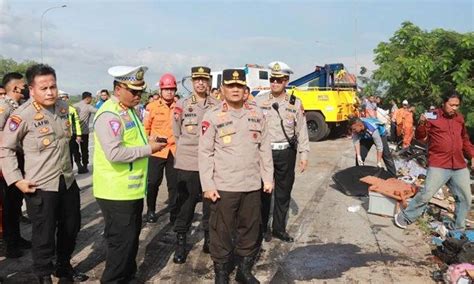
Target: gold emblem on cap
x,y
46,141
276,67
235,75
38,116
140,74
201,70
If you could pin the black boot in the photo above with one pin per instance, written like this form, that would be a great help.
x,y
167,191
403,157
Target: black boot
x,y
205,247
180,253
244,272
67,274
221,271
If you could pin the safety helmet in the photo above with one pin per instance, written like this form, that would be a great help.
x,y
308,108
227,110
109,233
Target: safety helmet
x,y
167,81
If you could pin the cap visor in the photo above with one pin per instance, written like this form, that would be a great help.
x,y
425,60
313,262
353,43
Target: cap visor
x,y
135,87
228,82
200,75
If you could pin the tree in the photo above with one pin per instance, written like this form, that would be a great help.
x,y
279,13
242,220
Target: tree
x,y
9,65
421,66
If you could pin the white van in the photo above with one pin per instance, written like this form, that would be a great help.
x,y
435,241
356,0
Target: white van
x,y
257,78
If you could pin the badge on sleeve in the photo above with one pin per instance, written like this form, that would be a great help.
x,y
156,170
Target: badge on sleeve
x,y
177,112
15,121
205,126
115,126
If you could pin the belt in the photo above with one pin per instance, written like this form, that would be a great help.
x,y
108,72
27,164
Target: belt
x,y
280,146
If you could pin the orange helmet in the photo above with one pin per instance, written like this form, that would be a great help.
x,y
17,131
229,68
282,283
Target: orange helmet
x,y
167,81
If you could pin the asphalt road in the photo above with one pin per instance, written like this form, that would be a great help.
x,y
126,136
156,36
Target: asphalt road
x,y
332,245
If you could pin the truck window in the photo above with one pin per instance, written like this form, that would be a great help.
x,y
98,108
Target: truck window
x,y
263,75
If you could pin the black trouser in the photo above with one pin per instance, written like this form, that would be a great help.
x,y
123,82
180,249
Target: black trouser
x,y
123,222
284,173
393,132
85,149
156,166
366,144
53,213
189,194
74,151
234,225
12,202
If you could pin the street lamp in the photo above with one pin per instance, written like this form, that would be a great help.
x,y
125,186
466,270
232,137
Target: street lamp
x,y
41,26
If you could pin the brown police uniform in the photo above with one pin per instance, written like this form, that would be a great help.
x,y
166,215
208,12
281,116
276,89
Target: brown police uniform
x,y
55,206
291,111
188,114
233,144
11,196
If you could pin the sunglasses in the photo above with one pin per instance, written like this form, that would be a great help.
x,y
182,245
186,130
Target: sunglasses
x,y
134,92
277,80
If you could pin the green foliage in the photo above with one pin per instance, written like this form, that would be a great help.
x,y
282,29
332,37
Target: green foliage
x,y
9,65
421,66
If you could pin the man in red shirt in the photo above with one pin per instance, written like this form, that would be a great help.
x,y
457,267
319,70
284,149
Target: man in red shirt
x,y
448,146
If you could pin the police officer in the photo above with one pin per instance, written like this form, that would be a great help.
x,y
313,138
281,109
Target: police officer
x,y
158,122
75,131
12,197
188,114
120,171
42,129
85,110
234,129
289,136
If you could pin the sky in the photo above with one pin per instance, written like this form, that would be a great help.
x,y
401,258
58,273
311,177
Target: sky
x,y
84,39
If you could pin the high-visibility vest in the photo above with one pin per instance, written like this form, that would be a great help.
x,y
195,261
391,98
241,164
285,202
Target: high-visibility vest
x,y
114,180
372,125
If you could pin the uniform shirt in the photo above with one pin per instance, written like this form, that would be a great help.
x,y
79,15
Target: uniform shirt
x,y
234,143
85,111
44,138
373,129
448,140
293,117
110,138
7,106
158,122
187,118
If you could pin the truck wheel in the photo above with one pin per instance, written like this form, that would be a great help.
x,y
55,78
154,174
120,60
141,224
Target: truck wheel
x,y
317,127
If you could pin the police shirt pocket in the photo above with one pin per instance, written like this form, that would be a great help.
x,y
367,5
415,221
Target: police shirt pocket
x,y
46,138
226,136
190,124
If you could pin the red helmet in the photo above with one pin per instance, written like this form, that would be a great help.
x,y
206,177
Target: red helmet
x,y
167,81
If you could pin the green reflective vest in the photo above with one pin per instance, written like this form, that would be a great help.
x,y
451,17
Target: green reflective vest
x,y
114,180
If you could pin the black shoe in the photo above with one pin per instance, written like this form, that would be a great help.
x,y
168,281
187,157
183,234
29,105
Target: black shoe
x,y
82,170
267,237
44,279
68,274
24,244
221,271
180,253
283,236
205,246
151,217
13,252
244,272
